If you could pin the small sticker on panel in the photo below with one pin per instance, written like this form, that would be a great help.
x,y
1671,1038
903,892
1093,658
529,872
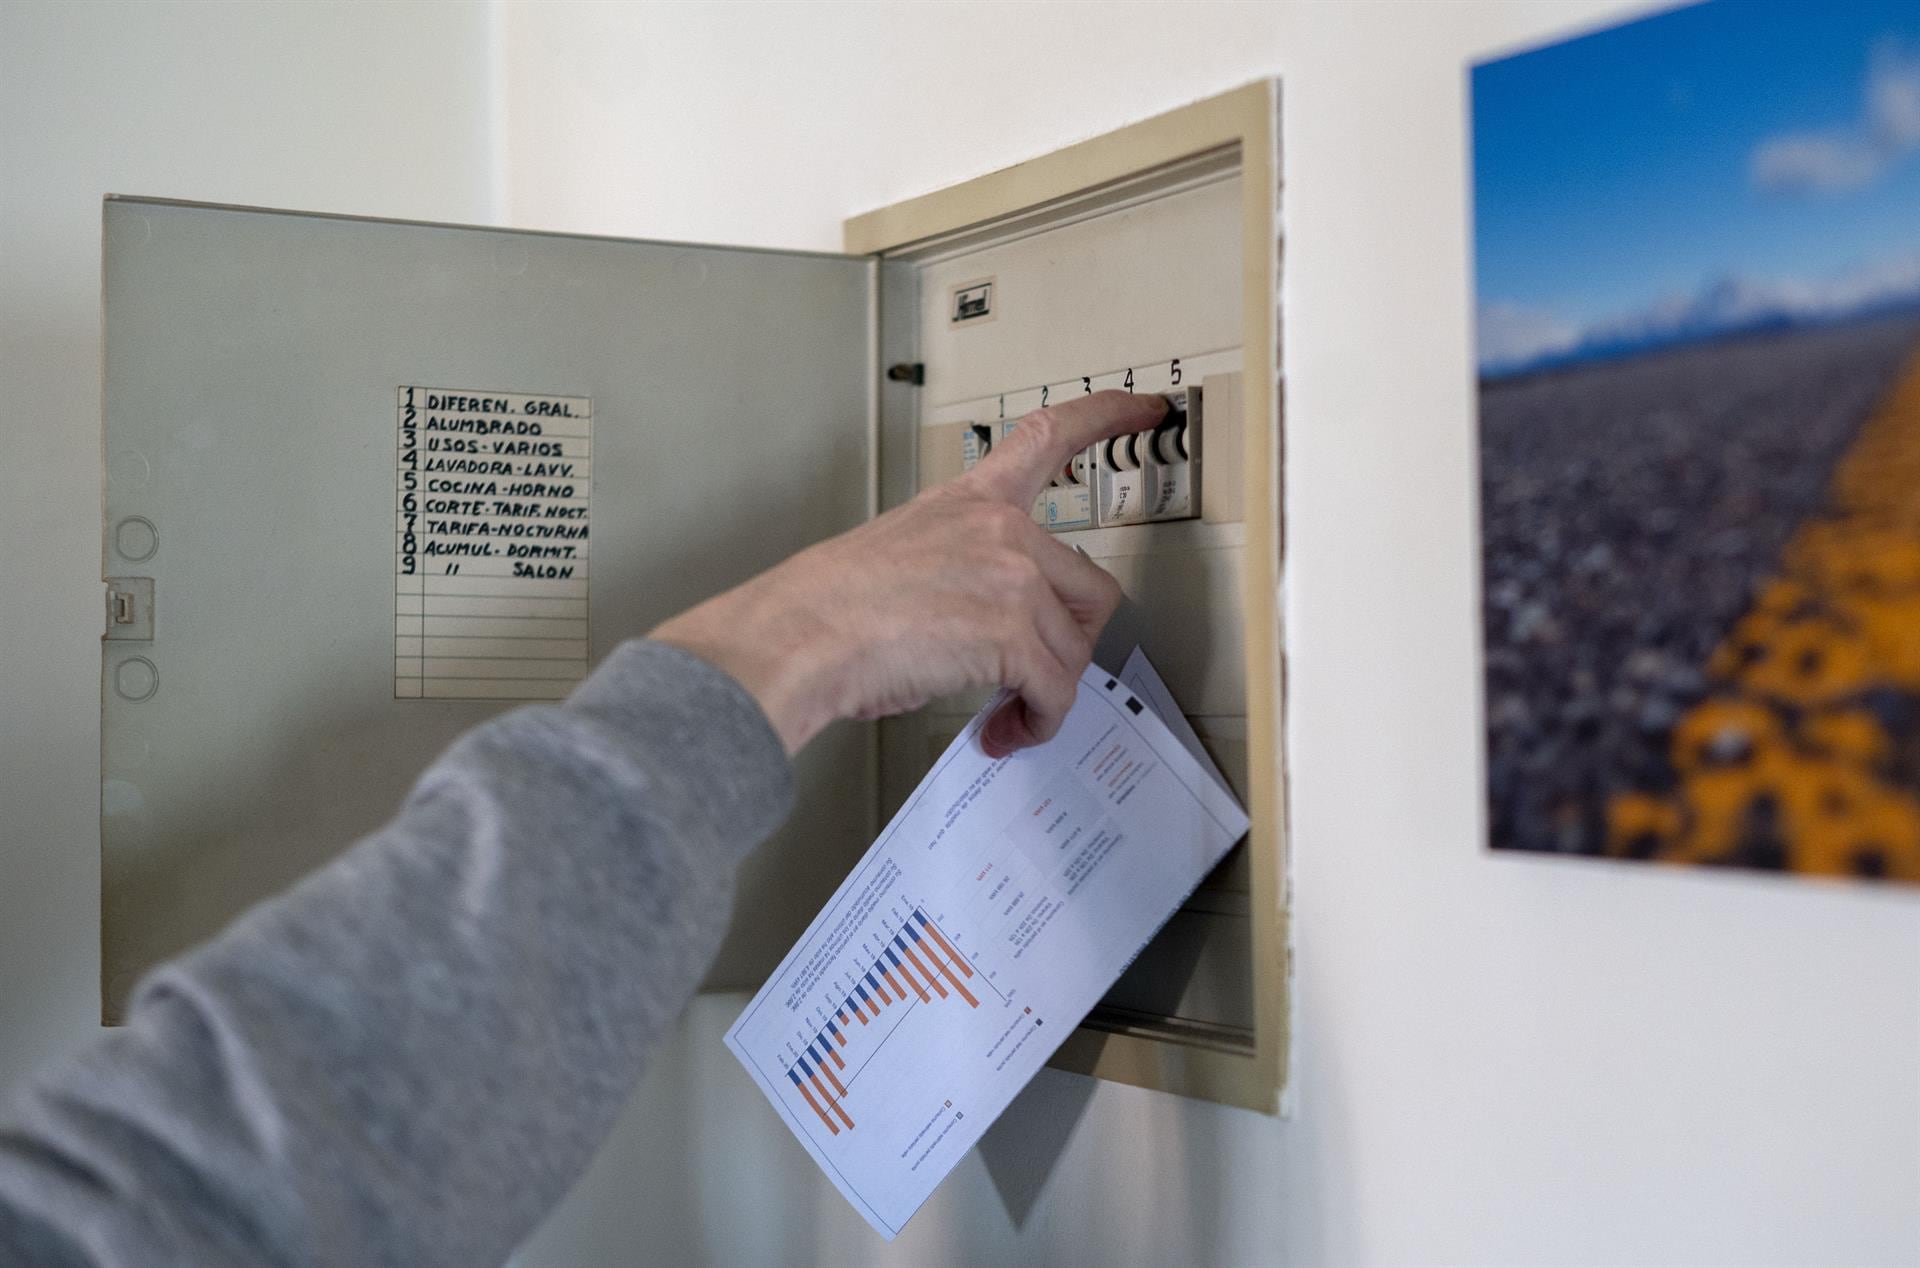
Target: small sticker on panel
x,y
491,544
976,444
971,302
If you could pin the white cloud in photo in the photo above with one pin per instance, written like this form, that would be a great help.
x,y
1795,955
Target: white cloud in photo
x,y
1730,303
1842,160
1893,96
1816,163
1514,335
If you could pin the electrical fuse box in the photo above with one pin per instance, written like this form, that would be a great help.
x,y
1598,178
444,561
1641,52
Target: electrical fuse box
x,y
370,482
1146,261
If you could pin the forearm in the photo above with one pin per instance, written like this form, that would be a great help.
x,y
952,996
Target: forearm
x,y
410,1056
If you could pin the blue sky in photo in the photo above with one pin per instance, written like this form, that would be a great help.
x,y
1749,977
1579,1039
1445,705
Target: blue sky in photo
x,y
1723,163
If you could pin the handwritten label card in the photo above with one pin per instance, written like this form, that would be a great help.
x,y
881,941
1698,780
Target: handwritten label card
x,y
491,544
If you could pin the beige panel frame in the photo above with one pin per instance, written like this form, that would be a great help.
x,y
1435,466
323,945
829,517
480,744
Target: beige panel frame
x,y
1161,1055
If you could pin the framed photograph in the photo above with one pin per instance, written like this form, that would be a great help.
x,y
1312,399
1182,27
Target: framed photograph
x,y
1697,264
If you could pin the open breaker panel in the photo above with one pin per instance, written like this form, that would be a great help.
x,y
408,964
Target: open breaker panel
x,y
368,483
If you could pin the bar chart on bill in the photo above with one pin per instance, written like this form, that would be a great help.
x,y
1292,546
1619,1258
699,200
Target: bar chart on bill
x,y
990,915
916,964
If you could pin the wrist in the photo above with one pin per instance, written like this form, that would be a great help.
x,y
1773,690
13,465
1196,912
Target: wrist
x,y
785,661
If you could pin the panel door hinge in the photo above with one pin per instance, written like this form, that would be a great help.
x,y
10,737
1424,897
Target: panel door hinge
x,y
129,609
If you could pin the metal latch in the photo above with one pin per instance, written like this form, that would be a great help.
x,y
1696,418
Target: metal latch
x,y
130,609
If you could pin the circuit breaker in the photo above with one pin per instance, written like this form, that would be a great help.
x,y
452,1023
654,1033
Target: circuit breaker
x,y
1141,479
368,483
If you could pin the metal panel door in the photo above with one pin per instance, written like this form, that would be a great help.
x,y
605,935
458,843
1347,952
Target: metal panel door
x,y
262,701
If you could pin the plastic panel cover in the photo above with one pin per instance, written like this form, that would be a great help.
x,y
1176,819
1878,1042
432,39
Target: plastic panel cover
x,y
252,364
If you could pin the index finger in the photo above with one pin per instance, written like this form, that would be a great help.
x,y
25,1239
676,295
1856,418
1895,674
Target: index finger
x,y
1043,442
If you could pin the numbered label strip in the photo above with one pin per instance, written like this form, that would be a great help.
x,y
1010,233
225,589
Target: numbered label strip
x,y
491,544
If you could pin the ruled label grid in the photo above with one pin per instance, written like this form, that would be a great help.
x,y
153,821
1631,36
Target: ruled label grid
x,y
492,545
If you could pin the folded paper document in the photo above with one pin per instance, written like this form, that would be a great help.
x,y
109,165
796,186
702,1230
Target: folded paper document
x,y
995,910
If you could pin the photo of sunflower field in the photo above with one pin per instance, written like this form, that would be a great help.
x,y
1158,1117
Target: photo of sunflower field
x,y
1697,263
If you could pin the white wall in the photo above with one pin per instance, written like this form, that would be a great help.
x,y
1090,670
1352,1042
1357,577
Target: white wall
x,y
382,109
1499,1060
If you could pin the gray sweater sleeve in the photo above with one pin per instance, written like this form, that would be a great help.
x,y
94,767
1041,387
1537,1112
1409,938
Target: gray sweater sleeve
x,y
410,1056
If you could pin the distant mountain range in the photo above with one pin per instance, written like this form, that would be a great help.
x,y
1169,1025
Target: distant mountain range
x,y
1514,341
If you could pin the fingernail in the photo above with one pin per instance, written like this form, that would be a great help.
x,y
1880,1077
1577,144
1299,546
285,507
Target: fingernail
x,y
995,737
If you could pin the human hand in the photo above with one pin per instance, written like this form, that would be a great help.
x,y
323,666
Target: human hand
x,y
958,588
